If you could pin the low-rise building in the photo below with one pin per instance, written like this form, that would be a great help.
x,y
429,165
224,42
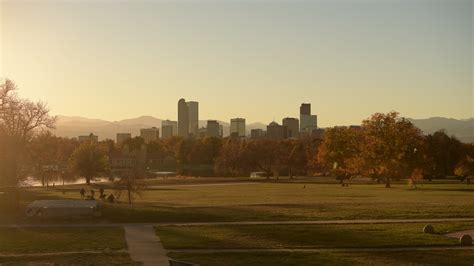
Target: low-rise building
x,y
169,128
213,128
276,131
293,127
122,137
90,137
257,133
150,134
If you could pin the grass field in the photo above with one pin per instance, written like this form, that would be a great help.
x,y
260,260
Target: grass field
x,y
46,240
72,259
202,200
281,201
451,257
307,236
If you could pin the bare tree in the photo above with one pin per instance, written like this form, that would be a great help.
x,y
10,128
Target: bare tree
x,y
20,120
132,182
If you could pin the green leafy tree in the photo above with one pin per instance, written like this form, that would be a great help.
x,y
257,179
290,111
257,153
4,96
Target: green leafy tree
x,y
89,161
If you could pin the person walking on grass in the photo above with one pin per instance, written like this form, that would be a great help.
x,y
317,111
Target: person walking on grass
x,y
83,193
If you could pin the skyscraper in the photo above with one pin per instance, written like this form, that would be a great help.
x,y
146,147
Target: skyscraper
x,y
308,122
183,118
305,109
293,126
237,127
193,109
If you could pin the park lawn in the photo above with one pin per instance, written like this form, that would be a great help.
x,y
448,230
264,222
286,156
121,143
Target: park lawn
x,y
306,236
447,257
72,259
281,201
44,240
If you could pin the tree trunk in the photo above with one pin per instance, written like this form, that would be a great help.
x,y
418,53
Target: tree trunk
x,y
88,180
387,182
129,188
290,173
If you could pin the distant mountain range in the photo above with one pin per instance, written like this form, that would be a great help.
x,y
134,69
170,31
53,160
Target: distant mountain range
x,y
463,129
74,126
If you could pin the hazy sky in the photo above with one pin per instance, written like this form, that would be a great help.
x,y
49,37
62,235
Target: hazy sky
x,y
252,59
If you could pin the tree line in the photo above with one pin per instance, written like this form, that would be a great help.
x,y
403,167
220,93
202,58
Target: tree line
x,y
385,147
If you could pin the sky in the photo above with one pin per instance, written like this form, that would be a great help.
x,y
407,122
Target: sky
x,y
254,59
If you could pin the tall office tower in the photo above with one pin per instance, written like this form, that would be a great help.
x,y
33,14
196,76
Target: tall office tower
x,y
183,118
276,131
193,109
308,122
213,128
150,134
122,137
237,127
305,109
172,124
293,126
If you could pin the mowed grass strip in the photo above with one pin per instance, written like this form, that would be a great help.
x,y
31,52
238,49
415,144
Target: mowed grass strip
x,y
46,240
282,201
307,236
72,259
448,257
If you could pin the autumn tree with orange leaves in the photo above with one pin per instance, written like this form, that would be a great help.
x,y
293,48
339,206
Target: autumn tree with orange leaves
x,y
390,147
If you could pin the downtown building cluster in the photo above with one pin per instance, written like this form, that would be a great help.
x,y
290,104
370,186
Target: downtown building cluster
x,y
188,126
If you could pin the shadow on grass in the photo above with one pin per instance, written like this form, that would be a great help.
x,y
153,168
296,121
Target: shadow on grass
x,y
299,236
161,189
447,189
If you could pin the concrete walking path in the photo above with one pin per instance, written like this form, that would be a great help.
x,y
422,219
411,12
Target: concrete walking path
x,y
145,246
309,222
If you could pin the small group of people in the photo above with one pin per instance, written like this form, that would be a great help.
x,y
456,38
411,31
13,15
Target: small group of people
x,y
103,196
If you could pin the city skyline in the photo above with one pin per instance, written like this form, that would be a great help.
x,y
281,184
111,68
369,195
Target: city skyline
x,y
349,59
